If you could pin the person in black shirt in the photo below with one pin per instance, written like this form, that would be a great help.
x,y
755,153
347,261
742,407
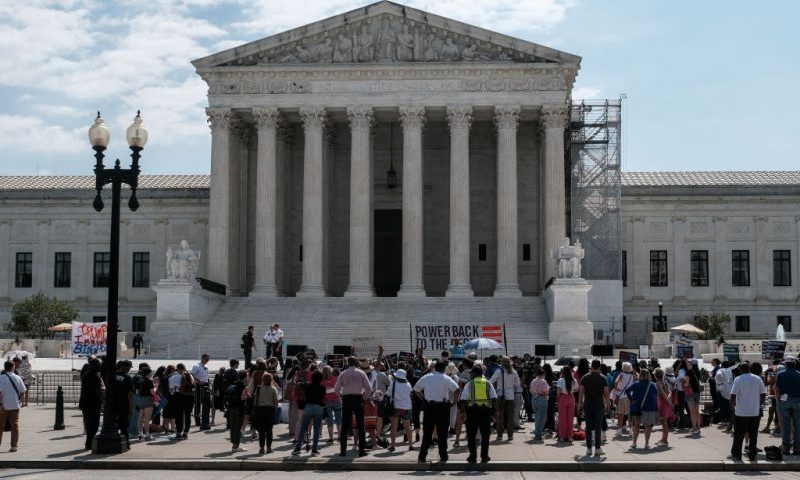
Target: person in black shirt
x,y
138,341
123,398
248,344
315,404
91,399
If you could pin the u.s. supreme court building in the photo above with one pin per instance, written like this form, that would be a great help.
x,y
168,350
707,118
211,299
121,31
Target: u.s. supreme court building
x,y
388,173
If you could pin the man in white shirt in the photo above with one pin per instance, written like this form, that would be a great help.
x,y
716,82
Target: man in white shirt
x,y
506,382
273,339
747,395
436,390
202,394
11,387
724,382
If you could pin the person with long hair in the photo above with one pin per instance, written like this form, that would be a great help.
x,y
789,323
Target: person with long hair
x,y
399,395
623,381
552,396
644,407
144,400
665,410
691,388
265,400
332,402
567,386
580,371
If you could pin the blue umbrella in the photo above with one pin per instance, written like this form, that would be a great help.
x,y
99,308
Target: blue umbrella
x,y
483,344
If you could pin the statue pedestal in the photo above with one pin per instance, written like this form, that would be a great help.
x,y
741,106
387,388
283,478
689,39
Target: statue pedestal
x,y
182,308
568,305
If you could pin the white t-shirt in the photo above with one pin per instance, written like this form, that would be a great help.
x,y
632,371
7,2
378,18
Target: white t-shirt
x,y
724,381
10,396
402,395
748,389
200,373
437,387
562,385
273,336
679,380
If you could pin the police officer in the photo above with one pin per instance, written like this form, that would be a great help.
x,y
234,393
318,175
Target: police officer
x,y
202,394
436,390
478,397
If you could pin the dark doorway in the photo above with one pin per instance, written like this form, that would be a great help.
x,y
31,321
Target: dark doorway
x,y
388,255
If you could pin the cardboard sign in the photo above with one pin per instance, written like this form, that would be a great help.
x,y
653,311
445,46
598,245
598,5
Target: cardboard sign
x,y
772,349
405,357
730,352
684,351
366,347
334,360
89,338
391,360
630,357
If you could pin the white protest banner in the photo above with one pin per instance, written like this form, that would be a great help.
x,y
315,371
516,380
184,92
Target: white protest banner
x,y
89,338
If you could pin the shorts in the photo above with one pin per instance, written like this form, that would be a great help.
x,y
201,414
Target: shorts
x,y
644,419
693,397
402,414
381,408
623,405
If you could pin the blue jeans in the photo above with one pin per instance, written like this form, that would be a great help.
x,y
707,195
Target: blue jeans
x,y
540,412
594,415
311,412
334,413
790,422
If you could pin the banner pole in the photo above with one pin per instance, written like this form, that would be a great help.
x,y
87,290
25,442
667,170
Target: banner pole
x,y
410,339
505,339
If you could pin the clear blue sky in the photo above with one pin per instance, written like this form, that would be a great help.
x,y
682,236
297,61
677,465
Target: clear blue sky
x,y
710,84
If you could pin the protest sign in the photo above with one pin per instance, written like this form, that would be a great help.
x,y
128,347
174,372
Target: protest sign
x,y
89,338
405,357
730,352
334,360
772,349
439,337
684,351
391,360
366,347
630,357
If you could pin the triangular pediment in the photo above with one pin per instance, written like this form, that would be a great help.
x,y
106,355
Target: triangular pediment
x,y
386,32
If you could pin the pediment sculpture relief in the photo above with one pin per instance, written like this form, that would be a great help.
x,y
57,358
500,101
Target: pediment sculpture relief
x,y
386,39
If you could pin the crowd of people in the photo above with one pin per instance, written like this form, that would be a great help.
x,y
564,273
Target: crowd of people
x,y
377,405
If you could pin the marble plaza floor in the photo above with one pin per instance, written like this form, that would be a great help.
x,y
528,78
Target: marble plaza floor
x,y
42,447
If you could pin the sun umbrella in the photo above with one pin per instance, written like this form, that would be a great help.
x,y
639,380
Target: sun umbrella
x,y
18,353
483,344
688,328
61,327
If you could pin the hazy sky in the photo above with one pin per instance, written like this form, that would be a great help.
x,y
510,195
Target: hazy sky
x,y
709,84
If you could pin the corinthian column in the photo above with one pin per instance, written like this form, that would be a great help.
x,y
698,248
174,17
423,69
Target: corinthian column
x,y
459,117
554,120
413,119
360,202
220,201
313,283
266,202
506,118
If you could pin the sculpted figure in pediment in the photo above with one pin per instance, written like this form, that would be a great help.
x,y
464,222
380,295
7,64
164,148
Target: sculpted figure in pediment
x,y
405,45
343,52
430,53
448,52
385,42
365,45
325,51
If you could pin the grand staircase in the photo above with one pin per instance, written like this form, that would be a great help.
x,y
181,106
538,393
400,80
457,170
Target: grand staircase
x,y
321,323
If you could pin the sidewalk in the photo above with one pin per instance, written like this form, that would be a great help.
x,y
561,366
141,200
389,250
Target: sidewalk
x,y
42,447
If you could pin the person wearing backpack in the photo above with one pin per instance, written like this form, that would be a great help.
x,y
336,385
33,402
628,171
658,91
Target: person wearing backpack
x,y
235,396
181,386
724,381
11,389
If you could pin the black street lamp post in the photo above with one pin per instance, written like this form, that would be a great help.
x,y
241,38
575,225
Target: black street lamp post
x,y
109,440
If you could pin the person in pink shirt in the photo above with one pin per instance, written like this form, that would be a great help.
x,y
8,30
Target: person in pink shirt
x,y
353,386
332,401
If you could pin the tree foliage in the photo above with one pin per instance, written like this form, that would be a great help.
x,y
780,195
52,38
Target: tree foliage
x,y
32,316
714,323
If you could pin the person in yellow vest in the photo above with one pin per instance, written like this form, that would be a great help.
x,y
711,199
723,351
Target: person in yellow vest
x,y
478,398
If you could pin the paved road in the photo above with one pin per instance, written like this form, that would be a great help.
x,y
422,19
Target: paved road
x,y
139,474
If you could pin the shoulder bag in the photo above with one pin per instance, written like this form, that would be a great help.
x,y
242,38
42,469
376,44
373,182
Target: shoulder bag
x,y
389,407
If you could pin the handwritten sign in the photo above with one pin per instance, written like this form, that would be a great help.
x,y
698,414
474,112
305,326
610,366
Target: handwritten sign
x,y
730,352
435,338
334,360
405,357
89,338
366,347
772,349
684,351
391,360
630,357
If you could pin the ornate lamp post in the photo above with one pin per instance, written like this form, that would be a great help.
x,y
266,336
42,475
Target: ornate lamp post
x,y
109,440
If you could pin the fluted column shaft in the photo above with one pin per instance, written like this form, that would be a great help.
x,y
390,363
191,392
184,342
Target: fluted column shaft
x,y
413,120
266,202
554,120
506,118
220,200
360,202
313,283
459,118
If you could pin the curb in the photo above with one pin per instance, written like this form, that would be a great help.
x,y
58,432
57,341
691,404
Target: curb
x,y
386,466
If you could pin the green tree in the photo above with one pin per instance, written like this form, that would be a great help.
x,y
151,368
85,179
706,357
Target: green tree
x,y
714,323
35,314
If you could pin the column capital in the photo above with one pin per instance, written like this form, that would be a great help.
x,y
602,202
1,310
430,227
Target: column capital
x,y
267,117
554,116
459,116
360,116
219,118
506,117
412,116
313,116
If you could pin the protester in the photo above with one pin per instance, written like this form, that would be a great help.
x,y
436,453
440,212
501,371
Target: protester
x,y
315,404
11,390
723,381
181,386
552,398
265,401
624,380
595,402
539,390
91,398
772,400
399,395
691,389
235,396
218,388
747,395
379,382
145,389
353,387
665,410
477,398
643,396
506,382
25,372
333,403
123,398
436,389
787,391
567,386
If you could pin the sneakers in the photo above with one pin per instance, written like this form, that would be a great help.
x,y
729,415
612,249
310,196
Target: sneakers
x,y
261,451
472,460
588,452
599,452
296,452
633,446
12,449
238,449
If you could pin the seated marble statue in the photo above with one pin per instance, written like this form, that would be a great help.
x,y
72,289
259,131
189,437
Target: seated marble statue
x,y
569,259
182,262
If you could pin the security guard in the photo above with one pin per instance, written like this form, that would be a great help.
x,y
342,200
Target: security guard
x,y
478,398
436,390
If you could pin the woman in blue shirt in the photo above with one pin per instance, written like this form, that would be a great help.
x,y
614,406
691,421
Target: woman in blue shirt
x,y
644,407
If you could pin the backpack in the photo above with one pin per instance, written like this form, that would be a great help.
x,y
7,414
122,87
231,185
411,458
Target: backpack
x,y
187,384
137,383
233,397
300,387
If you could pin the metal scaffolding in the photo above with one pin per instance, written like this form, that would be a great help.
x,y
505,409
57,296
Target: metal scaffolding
x,y
594,159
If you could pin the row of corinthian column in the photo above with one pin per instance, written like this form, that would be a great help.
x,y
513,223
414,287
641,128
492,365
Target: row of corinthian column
x,y
459,117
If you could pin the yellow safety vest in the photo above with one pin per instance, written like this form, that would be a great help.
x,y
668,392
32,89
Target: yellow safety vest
x,y
479,393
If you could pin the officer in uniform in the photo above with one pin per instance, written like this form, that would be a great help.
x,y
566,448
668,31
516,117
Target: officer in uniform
x,y
202,394
436,391
478,397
